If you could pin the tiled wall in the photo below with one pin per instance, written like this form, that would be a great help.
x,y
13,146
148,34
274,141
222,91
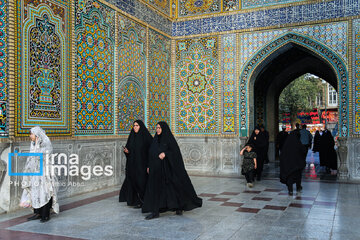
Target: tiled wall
x,y
268,17
139,10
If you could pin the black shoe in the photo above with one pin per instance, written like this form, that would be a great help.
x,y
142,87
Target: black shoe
x,y
179,212
34,217
45,219
138,206
290,193
151,216
299,189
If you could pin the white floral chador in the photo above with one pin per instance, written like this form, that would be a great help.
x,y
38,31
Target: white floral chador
x,y
38,190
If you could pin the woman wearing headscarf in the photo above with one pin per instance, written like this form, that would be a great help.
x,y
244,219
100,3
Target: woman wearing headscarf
x,y
327,151
136,151
317,139
40,192
292,162
169,186
258,140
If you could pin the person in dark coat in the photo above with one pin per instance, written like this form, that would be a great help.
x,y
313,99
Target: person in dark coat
x,y
292,162
316,145
297,127
258,140
280,139
169,187
136,151
327,151
267,137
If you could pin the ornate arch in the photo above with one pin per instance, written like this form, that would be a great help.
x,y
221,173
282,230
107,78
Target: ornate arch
x,y
158,108
321,50
43,47
132,57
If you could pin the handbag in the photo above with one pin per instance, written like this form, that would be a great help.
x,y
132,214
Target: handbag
x,y
25,200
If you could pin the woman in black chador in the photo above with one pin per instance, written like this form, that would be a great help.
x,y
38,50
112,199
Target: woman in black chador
x,y
136,151
169,186
292,162
258,140
317,139
327,151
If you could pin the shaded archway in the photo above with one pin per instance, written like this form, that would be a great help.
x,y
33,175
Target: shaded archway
x,y
285,67
280,62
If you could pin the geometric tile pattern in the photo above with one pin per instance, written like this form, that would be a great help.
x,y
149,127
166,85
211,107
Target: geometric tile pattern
x,y
263,3
159,79
131,73
228,51
3,69
196,7
268,17
230,5
321,50
161,5
333,35
356,76
251,43
131,49
44,56
94,69
141,11
131,104
196,82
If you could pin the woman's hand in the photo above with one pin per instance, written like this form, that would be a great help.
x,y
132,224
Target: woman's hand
x,y
162,156
242,151
126,150
147,170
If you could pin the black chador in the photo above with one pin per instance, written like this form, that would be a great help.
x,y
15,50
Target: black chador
x,y
169,186
327,152
317,142
292,162
133,188
258,140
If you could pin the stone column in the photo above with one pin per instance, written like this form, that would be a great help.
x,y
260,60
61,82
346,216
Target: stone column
x,y
343,173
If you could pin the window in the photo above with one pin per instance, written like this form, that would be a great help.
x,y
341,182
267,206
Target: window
x,y
332,96
319,99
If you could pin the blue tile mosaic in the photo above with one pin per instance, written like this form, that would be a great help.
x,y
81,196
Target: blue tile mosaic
x,y
246,4
269,17
144,13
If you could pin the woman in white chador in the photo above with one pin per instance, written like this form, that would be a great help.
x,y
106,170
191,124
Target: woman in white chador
x,y
40,192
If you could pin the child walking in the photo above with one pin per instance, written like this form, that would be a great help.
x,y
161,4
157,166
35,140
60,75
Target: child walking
x,y
249,164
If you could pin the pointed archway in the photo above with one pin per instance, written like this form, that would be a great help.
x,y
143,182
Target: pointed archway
x,y
274,66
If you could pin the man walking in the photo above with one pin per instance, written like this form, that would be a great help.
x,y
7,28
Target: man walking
x,y
305,137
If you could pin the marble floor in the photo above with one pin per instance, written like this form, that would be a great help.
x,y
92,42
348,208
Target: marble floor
x,y
325,209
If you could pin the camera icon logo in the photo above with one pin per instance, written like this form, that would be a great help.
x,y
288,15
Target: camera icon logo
x,y
17,154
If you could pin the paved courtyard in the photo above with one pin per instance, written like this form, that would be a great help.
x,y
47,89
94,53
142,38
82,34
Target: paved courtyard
x,y
325,209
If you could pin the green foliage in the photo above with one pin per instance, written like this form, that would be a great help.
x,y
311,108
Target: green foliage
x,y
300,94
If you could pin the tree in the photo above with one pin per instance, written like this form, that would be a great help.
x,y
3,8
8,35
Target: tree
x,y
300,95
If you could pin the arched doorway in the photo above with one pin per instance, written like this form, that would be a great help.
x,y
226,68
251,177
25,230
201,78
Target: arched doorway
x,y
273,67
